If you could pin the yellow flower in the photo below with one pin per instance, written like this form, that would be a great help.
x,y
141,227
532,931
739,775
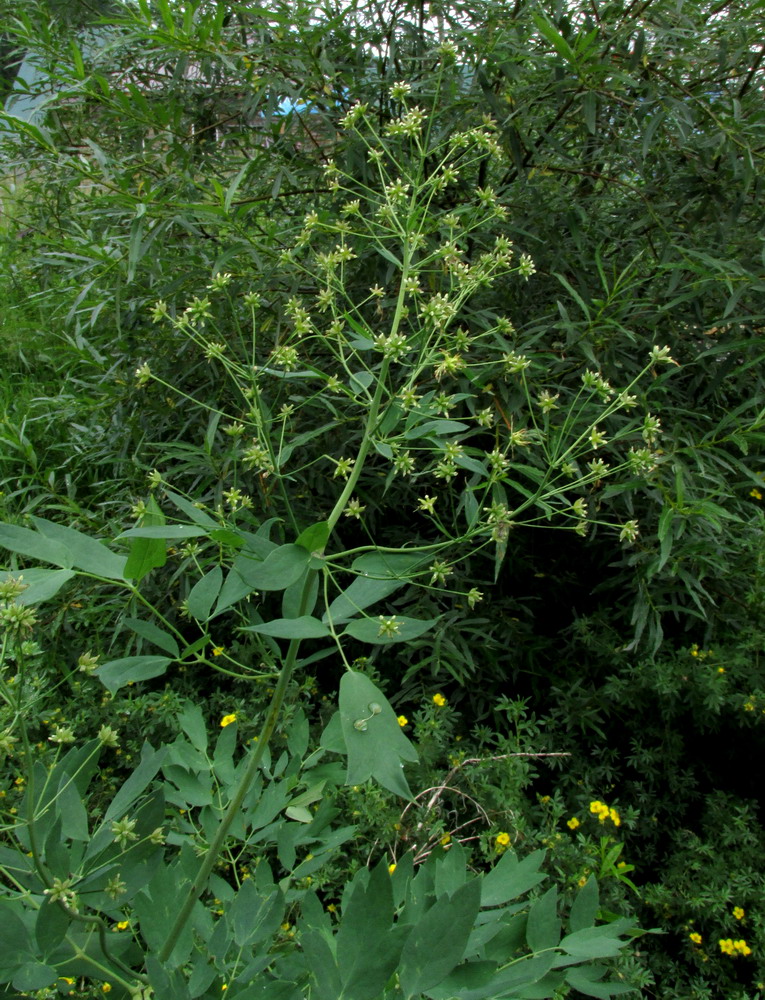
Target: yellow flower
x,y
217,650
439,700
695,937
446,840
615,817
502,841
734,948
749,706
573,823
286,925
403,721
123,925
331,908
227,720
107,987
739,913
600,809
391,868
754,492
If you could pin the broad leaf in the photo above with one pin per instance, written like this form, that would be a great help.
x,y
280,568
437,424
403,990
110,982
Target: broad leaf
x,y
378,633
117,673
34,545
42,584
204,594
88,553
304,627
437,942
374,741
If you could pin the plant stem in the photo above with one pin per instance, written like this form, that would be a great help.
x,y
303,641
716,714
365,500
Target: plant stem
x,y
216,845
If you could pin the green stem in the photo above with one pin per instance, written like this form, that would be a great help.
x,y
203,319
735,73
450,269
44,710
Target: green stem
x,y
216,845
374,406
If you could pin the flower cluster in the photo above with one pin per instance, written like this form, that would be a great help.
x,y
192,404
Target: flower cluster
x,y
603,812
734,948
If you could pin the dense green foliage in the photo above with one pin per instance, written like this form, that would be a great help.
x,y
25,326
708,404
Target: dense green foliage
x,y
343,330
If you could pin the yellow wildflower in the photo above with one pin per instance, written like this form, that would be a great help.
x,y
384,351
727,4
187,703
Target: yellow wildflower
x,y
391,868
227,720
599,809
403,721
573,823
615,817
106,987
734,948
501,841
739,912
217,650
695,937
439,700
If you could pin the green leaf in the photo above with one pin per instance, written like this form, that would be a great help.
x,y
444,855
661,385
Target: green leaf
x,y
362,592
368,917
510,982
314,538
192,512
543,925
117,673
40,135
34,976
585,980
585,907
435,428
148,630
280,568
558,42
51,926
165,531
437,942
369,629
374,741
192,722
592,942
321,963
304,627
299,813
296,599
204,594
511,878
43,584
74,817
254,917
145,555
88,553
149,764
36,546
389,565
